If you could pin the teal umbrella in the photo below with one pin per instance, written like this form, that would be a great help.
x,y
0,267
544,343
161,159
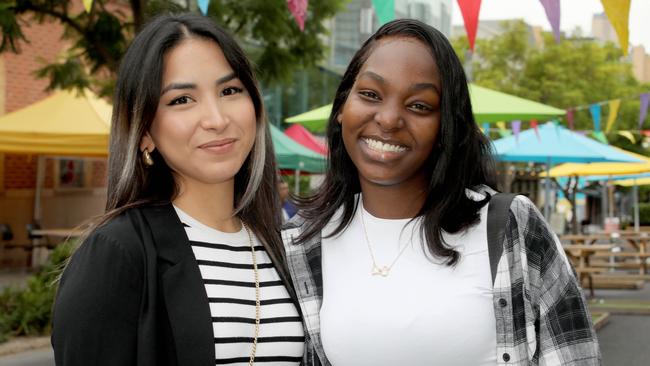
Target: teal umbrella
x,y
553,144
293,156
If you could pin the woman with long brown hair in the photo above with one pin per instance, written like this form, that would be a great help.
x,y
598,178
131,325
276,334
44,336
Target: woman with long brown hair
x,y
186,265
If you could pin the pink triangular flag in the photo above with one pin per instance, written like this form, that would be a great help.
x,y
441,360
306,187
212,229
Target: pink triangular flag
x,y
552,8
643,110
298,9
569,117
470,10
533,125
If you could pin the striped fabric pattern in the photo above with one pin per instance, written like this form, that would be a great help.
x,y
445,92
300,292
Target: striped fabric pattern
x,y
226,265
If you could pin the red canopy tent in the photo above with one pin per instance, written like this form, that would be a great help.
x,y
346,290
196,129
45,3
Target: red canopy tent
x,y
300,134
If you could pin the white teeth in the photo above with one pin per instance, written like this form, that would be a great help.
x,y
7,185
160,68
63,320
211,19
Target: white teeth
x,y
383,147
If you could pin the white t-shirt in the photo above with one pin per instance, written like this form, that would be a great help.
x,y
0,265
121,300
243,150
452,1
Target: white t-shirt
x,y
226,266
422,313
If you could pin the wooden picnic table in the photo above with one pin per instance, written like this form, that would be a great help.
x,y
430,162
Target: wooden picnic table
x,y
58,233
579,255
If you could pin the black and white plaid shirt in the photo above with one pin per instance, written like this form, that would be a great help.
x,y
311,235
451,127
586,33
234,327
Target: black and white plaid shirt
x,y
541,314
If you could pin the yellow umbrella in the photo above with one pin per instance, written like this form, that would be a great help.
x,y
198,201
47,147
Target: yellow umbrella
x,y
573,169
65,123
632,182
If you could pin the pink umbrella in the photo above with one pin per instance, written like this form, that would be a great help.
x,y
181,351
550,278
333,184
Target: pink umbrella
x,y
300,134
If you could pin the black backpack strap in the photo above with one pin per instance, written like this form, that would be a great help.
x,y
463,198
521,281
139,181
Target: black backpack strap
x,y
498,212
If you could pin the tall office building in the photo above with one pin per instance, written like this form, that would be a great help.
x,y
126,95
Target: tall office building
x,y
352,26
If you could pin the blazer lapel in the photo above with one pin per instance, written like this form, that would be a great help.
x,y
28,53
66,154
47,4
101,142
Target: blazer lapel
x,y
182,287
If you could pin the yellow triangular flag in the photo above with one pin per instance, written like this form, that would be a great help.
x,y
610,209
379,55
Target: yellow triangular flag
x,y
628,135
618,13
613,112
88,4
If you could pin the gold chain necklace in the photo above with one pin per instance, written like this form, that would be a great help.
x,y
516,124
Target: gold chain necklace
x,y
378,270
251,361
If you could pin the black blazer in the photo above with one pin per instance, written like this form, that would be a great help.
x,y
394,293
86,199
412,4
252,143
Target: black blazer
x,y
132,294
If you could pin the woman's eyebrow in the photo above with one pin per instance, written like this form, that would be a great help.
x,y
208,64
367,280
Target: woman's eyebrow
x,y
176,86
373,76
421,86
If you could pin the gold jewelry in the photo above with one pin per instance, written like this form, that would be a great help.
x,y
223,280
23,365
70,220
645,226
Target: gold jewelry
x,y
378,270
251,361
146,158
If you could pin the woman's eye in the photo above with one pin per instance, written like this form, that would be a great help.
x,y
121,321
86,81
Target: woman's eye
x,y
180,100
420,107
231,91
369,94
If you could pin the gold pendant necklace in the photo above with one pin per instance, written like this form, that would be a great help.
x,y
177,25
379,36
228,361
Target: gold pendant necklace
x,y
377,270
251,361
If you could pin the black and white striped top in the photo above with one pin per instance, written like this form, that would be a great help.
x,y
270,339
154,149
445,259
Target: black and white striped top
x,y
226,265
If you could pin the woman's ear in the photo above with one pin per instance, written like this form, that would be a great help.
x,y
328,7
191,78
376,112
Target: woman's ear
x,y
147,143
339,119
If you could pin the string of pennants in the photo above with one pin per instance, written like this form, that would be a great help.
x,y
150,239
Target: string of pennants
x,y
617,11
297,8
596,114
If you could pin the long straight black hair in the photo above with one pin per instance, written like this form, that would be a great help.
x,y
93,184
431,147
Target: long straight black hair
x,y
136,99
462,160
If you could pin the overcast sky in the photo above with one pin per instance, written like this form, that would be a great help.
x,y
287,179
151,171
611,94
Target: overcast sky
x,y
573,13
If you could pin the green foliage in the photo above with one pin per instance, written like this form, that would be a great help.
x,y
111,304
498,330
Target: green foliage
x,y
575,72
27,311
100,37
644,213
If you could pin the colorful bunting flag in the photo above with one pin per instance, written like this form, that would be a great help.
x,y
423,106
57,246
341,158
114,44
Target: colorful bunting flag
x,y
533,125
203,6
600,136
618,13
298,8
385,10
88,4
569,117
503,130
595,115
643,111
552,9
628,135
613,112
470,10
486,128
516,128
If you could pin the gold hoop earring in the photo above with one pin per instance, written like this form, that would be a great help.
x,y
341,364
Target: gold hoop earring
x,y
146,158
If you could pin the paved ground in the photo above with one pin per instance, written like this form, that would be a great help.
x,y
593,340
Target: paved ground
x,y
625,340
40,357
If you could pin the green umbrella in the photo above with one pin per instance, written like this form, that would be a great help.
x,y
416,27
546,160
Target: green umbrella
x,y
293,156
488,105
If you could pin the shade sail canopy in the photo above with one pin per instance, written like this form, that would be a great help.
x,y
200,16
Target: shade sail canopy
x,y
300,134
488,106
556,145
315,120
65,123
293,156
603,169
493,106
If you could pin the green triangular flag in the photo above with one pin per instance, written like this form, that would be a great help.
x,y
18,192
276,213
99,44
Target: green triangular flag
x,y
385,10
600,136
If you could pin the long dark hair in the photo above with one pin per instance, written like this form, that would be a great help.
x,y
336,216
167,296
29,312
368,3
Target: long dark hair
x,y
137,94
463,159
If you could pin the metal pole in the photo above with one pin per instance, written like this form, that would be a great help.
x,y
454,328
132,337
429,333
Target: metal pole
x,y
635,194
604,201
40,177
547,190
296,189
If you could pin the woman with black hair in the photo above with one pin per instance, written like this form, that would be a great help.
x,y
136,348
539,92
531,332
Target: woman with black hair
x,y
186,265
390,256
